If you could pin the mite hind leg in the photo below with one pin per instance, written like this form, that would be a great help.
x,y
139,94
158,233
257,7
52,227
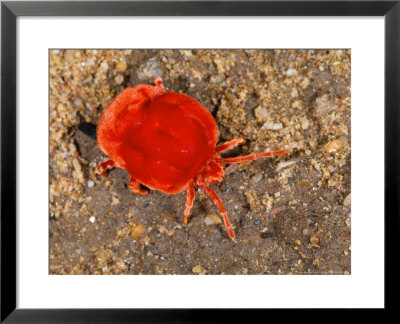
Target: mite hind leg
x,y
189,202
222,210
104,166
134,185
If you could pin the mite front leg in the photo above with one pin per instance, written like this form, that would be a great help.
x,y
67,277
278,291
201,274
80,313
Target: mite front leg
x,y
250,157
229,145
104,166
136,188
189,202
159,83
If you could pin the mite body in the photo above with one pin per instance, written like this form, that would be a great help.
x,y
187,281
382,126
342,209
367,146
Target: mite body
x,y
167,142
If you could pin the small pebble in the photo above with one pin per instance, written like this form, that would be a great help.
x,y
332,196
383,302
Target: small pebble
x,y
137,231
150,69
257,178
121,66
323,106
76,165
257,222
272,126
90,183
261,113
347,200
78,103
119,79
297,104
114,201
304,83
265,235
162,229
277,210
188,53
199,270
335,145
92,219
314,240
285,164
104,65
212,219
305,123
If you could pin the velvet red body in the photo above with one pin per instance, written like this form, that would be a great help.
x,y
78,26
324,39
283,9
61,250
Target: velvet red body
x,y
167,142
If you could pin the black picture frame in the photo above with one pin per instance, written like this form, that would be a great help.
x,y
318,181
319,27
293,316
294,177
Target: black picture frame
x,y
11,10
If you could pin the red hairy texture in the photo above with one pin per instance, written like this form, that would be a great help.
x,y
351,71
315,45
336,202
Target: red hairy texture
x,y
123,113
162,138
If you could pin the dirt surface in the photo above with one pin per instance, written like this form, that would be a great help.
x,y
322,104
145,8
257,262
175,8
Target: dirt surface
x,y
291,214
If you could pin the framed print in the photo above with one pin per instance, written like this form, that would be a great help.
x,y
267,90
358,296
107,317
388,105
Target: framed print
x,y
164,158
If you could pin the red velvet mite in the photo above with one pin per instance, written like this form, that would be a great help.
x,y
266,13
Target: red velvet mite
x,y
167,142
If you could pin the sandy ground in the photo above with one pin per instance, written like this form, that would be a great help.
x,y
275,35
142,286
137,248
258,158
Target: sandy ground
x,y
291,214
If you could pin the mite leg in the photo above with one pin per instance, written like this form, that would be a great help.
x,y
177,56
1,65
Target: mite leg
x,y
217,201
228,145
251,157
104,166
189,201
159,82
135,187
